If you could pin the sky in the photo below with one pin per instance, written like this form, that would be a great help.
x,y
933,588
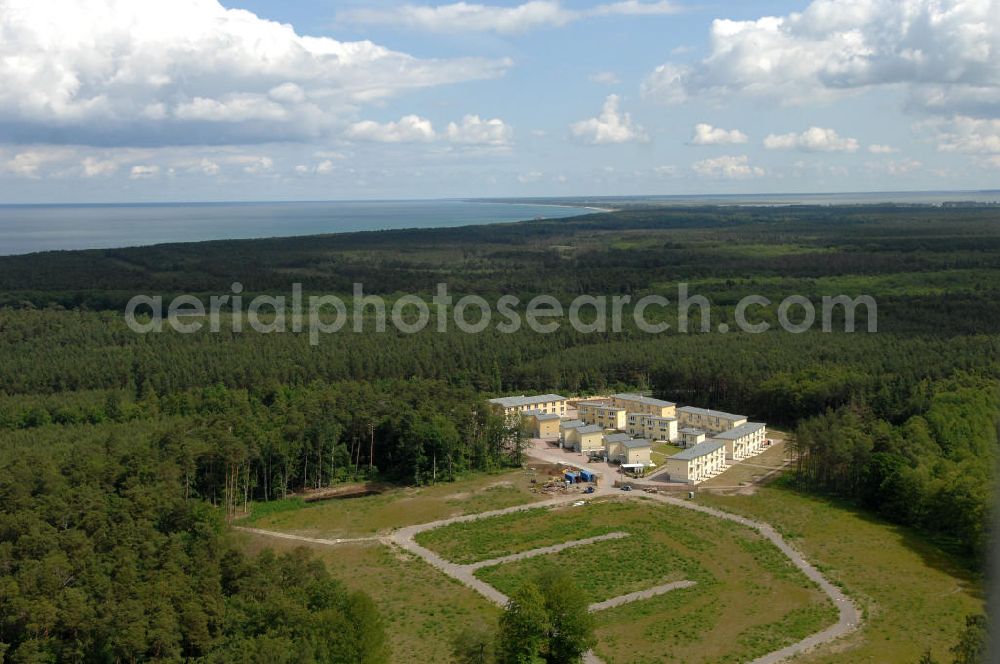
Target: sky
x,y
192,100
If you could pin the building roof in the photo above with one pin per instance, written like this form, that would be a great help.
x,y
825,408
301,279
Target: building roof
x,y
571,424
514,402
649,401
600,406
590,428
636,443
710,413
593,402
545,417
617,437
693,431
699,450
740,431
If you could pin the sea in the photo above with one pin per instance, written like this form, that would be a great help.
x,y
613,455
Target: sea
x,y
32,228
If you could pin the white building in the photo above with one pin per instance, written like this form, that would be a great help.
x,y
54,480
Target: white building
x,y
698,463
743,441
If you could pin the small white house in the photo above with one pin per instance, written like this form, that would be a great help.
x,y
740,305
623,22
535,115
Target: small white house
x,y
698,463
743,441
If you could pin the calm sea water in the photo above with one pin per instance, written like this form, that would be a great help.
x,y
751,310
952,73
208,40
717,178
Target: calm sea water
x,y
29,228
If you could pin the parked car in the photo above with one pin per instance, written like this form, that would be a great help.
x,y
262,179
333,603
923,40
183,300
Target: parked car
x,y
626,487
589,489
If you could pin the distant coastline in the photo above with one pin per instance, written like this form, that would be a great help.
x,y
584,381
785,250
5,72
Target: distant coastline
x,y
612,203
32,228
29,228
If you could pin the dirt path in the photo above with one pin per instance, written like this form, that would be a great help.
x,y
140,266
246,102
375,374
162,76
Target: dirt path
x,y
404,538
300,538
639,594
555,548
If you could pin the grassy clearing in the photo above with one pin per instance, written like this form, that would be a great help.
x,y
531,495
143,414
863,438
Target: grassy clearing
x,y
483,539
423,609
368,515
749,599
767,250
750,470
902,284
666,449
915,597
603,570
691,625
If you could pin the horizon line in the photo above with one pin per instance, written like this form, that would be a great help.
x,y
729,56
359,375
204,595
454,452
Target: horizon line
x,y
513,199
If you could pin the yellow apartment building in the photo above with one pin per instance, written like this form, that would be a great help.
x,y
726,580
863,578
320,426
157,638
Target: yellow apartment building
x,y
512,407
623,448
540,425
613,445
567,432
652,427
607,416
588,439
637,403
691,436
636,451
712,421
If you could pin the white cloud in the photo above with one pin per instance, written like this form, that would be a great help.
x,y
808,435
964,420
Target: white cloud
x,y
190,71
94,167
706,134
730,167
968,135
476,131
944,53
474,17
633,8
608,127
878,148
473,130
232,108
894,167
409,129
28,163
814,139
255,165
144,171
530,177
329,154
209,167
667,84
604,78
